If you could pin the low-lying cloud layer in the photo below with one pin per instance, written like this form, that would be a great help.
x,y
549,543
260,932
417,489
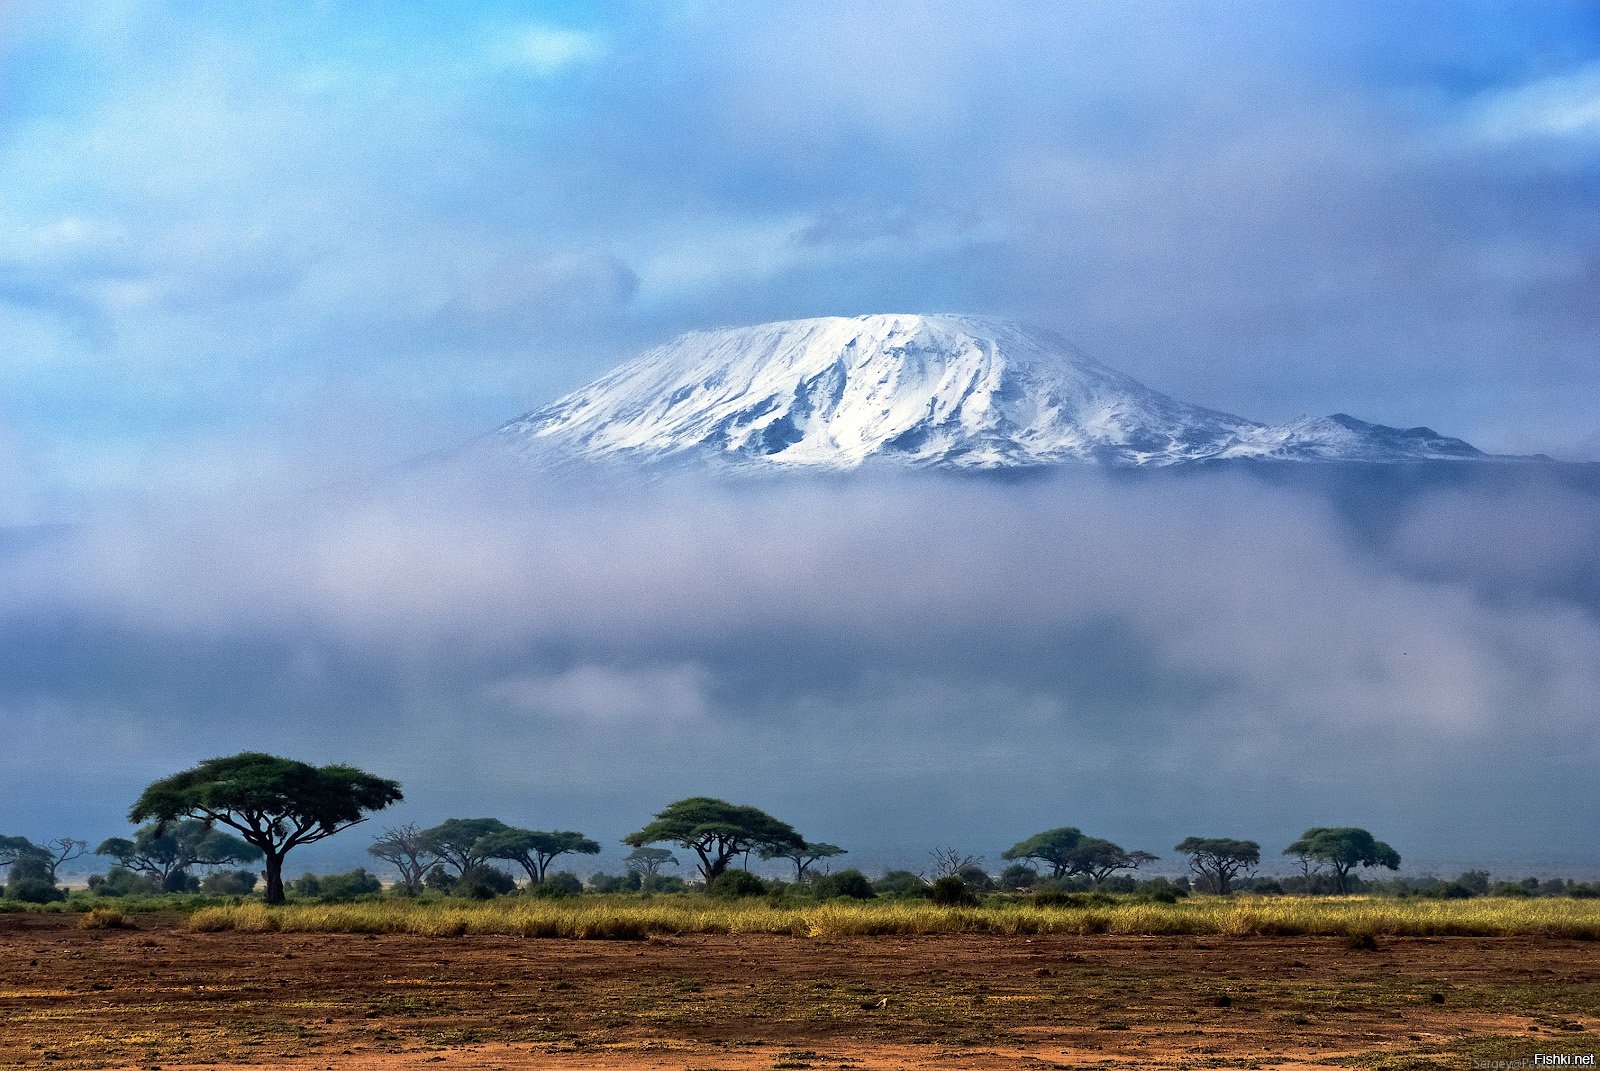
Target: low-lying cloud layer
x,y
891,662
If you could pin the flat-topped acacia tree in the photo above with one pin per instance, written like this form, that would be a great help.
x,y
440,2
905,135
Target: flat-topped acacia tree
x,y
274,803
178,846
534,849
1344,848
716,831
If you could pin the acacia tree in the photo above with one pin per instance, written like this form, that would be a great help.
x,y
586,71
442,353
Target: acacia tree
x,y
61,850
26,862
647,862
274,803
533,849
455,841
1053,848
403,848
803,856
169,853
715,831
1342,849
1066,851
1098,859
1220,859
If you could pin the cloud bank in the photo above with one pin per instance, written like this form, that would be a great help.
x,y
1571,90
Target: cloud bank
x,y
892,662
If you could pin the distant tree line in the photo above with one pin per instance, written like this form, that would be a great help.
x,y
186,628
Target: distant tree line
x,y
228,816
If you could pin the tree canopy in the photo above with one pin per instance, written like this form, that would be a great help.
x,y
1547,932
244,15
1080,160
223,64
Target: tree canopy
x,y
802,856
172,851
403,848
647,862
274,803
455,841
1067,851
1220,859
1054,848
533,849
715,831
1342,849
15,848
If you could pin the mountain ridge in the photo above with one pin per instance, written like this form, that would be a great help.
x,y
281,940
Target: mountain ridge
x,y
923,390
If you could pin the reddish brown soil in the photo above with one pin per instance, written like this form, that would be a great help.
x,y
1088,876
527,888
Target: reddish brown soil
x,y
160,996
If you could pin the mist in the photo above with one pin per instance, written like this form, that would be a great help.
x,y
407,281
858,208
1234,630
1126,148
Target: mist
x,y
892,662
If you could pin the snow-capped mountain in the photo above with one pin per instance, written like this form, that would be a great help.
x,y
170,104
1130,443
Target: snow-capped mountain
x,y
921,390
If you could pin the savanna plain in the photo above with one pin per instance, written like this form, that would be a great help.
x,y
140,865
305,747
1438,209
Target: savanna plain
x,y
675,982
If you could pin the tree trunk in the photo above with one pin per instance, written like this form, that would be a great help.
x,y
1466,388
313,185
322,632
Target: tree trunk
x,y
274,864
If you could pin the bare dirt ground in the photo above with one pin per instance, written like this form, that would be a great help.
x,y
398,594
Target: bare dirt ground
x,y
159,996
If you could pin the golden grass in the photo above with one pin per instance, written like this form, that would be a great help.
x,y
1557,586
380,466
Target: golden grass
x,y
621,918
104,918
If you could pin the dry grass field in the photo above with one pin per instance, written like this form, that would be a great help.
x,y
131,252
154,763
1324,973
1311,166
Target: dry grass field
x,y
632,917
182,994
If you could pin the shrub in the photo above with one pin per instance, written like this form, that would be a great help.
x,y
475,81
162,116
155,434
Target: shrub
x,y
849,883
345,887
34,891
103,918
334,888
180,881
439,879
951,891
1161,889
736,884
120,881
663,883
976,878
483,883
229,883
901,883
1018,876
609,883
1063,898
558,886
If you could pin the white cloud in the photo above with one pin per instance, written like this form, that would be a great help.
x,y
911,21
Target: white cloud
x,y
551,50
1566,106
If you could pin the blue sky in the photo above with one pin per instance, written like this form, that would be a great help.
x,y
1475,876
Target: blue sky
x,y
241,240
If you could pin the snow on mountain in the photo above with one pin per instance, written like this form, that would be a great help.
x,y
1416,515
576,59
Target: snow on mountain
x,y
920,390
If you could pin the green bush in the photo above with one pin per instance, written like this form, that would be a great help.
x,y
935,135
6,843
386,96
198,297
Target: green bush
x,y
662,883
951,891
34,891
1063,898
483,883
1018,876
736,884
229,883
901,883
1160,890
120,881
558,886
849,883
609,883
180,881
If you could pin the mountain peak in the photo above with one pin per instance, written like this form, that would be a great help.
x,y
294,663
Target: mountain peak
x,y
938,389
